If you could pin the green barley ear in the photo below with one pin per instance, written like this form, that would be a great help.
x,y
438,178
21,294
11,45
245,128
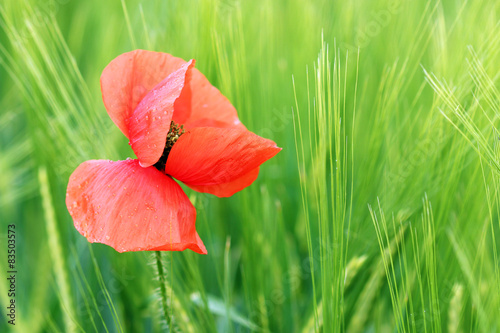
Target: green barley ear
x,y
352,269
323,131
384,267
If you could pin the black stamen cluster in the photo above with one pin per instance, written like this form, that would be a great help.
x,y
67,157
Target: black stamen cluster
x,y
173,135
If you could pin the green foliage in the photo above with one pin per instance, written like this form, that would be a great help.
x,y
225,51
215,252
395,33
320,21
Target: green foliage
x,y
380,214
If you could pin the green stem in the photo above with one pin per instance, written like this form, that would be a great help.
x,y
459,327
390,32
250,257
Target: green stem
x,y
163,289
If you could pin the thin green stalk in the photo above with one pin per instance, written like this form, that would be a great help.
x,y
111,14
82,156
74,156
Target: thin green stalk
x,y
105,291
60,266
129,26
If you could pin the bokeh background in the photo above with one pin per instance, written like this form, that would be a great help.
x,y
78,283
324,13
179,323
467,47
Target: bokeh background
x,y
379,215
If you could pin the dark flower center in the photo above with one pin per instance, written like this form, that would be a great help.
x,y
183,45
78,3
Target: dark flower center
x,y
173,135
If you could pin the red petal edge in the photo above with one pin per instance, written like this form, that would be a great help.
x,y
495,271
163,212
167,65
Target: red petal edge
x,y
207,108
228,189
209,156
150,121
131,208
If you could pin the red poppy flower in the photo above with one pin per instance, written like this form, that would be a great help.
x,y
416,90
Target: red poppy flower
x,y
135,205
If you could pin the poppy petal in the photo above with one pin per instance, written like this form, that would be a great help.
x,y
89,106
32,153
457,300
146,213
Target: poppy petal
x,y
150,121
131,208
228,189
129,77
208,108
207,156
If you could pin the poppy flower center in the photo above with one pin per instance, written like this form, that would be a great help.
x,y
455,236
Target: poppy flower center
x,y
173,135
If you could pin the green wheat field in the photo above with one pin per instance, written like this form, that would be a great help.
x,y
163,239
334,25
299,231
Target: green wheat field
x,y
380,214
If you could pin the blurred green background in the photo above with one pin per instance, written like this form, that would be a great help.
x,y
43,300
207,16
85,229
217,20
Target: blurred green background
x,y
381,213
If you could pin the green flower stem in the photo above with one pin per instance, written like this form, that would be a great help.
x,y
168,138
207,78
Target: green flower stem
x,y
163,289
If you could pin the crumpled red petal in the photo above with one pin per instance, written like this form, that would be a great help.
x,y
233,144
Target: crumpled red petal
x,y
228,189
131,208
149,123
209,108
129,77
208,156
